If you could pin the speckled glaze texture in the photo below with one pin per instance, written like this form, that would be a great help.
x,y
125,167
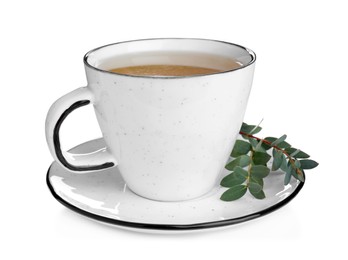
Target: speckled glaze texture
x,y
169,136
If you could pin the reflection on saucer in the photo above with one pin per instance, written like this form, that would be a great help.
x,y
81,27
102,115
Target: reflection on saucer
x,y
104,196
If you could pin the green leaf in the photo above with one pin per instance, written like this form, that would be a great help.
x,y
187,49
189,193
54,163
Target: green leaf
x,y
232,179
234,193
288,174
237,177
240,147
259,147
261,158
241,172
259,171
284,164
257,180
271,140
295,175
299,175
258,195
308,164
230,166
244,128
254,187
253,142
296,172
279,140
300,154
277,159
297,164
294,153
250,129
242,161
283,145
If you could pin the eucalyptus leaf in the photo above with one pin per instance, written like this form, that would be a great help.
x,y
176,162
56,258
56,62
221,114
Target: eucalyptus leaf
x,y
283,145
271,140
245,128
300,175
295,153
287,177
256,180
285,158
255,130
297,164
261,158
277,159
300,154
258,195
295,175
241,172
232,179
259,171
253,142
234,193
284,164
308,164
250,129
259,148
242,161
279,140
254,187
240,147
268,139
244,136
230,166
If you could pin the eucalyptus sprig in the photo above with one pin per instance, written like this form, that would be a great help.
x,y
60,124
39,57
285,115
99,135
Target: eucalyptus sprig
x,y
250,163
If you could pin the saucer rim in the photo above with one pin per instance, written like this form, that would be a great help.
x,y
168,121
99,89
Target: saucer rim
x,y
173,227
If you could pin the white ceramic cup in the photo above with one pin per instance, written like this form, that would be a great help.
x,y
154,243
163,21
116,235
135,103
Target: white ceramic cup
x,y
170,137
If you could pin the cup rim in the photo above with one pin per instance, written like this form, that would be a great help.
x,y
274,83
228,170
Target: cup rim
x,y
249,51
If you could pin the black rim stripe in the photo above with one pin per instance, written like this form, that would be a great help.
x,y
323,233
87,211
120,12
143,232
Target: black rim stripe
x,y
58,149
173,227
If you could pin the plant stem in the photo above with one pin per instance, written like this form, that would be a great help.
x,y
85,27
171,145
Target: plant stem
x,y
291,160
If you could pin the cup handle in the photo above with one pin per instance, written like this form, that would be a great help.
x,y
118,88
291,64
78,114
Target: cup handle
x,y
60,109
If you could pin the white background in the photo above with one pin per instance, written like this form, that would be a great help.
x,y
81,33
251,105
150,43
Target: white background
x,y
299,89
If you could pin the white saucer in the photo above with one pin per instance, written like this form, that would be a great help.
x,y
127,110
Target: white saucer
x,y
103,196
